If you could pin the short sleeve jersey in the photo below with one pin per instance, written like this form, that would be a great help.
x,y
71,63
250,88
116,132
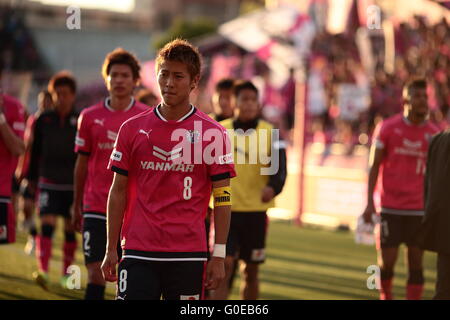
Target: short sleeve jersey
x,y
403,165
170,167
98,126
15,118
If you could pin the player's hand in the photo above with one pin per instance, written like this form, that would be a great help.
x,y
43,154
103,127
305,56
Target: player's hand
x,y
215,273
267,194
77,217
368,212
109,266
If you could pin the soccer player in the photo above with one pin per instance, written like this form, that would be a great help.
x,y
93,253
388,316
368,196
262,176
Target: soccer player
x,y
12,126
147,97
398,156
166,161
253,192
45,103
97,131
221,100
51,170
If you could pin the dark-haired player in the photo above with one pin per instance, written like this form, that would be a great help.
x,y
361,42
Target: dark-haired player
x,y
399,155
51,170
45,103
253,190
97,131
165,169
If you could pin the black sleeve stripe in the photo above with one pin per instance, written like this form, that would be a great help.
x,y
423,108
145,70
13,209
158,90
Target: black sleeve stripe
x,y
221,176
84,153
120,171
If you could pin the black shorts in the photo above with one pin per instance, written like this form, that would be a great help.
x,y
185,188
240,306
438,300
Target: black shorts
x,y
394,230
7,221
151,280
55,202
247,236
94,237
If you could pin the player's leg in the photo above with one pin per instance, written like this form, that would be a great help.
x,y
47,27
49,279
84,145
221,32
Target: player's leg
x,y
44,247
416,280
94,247
253,253
250,281
70,241
139,280
443,277
183,280
388,241
28,210
7,221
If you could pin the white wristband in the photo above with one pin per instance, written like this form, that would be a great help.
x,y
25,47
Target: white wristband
x,y
219,250
2,118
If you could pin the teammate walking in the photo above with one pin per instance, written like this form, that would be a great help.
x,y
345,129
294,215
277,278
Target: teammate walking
x,y
161,190
398,156
97,131
51,170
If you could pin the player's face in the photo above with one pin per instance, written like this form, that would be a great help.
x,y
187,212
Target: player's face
x,y
248,105
175,83
120,81
222,102
64,97
418,101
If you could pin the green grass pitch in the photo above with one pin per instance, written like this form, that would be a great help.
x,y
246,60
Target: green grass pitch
x,y
302,263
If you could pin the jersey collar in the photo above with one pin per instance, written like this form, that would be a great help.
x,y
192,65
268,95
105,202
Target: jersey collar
x,y
187,115
108,105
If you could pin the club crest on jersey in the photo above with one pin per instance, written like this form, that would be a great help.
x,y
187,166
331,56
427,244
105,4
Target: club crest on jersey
x,y
193,136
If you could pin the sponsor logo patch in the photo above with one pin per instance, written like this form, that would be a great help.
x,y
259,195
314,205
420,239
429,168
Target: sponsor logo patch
x,y
116,155
79,141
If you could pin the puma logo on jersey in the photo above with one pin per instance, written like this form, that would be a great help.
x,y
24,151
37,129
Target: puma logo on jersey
x,y
226,192
100,122
147,133
412,144
167,155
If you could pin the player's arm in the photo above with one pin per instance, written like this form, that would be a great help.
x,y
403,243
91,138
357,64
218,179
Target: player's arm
x,y
79,178
35,155
222,213
13,143
278,179
376,156
117,200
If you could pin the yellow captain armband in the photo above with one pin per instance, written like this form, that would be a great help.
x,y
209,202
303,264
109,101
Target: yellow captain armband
x,y
222,196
